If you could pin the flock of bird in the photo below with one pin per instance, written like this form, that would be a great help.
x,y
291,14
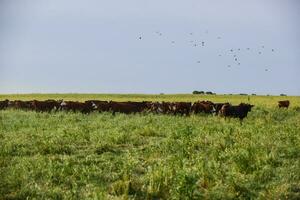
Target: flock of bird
x,y
232,51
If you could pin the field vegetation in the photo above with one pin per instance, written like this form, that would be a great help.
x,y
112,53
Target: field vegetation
x,y
61,155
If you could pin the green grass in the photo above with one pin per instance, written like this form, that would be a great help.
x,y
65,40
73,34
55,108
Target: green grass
x,y
144,156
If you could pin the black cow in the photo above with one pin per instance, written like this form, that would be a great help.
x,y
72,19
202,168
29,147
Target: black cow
x,y
218,107
239,111
101,106
4,104
46,106
23,105
76,106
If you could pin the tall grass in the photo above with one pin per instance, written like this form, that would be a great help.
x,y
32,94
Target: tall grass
x,y
63,155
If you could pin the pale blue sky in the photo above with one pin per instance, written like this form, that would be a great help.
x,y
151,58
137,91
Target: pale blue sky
x,y
93,46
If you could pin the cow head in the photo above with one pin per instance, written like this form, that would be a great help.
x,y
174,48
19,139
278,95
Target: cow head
x,y
94,105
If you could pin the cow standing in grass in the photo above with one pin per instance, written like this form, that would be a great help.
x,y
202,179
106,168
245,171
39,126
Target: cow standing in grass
x,y
182,108
284,104
76,107
218,107
20,105
100,106
239,111
203,107
127,107
45,106
4,104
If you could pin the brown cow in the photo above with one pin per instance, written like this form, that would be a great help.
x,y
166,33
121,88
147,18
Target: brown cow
x,y
4,104
284,104
127,107
203,106
239,111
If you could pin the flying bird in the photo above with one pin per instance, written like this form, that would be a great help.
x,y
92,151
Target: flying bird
x,y
140,38
202,43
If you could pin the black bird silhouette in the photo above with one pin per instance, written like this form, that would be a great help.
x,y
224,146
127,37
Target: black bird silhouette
x,y
235,59
272,49
259,52
198,61
248,48
202,43
231,50
140,38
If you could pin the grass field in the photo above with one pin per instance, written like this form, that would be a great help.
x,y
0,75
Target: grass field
x,y
63,155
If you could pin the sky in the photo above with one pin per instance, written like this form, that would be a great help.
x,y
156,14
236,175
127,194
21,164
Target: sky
x,y
150,46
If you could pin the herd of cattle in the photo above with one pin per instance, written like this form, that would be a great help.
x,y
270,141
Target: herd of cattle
x,y
183,108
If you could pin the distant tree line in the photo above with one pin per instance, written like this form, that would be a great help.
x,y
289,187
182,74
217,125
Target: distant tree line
x,y
202,92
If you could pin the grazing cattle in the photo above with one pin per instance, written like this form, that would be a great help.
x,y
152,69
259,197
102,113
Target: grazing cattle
x,y
23,105
239,111
218,107
160,107
45,106
284,104
203,106
182,108
127,107
101,106
156,107
4,104
76,106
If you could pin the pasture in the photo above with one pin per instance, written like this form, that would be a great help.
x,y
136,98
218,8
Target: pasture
x,y
61,155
